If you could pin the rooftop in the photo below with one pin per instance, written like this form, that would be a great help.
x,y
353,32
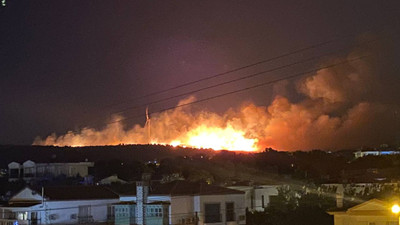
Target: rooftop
x,y
178,188
78,193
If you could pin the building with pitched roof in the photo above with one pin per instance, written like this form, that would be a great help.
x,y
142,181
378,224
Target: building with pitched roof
x,y
372,212
258,197
177,202
180,202
30,170
59,205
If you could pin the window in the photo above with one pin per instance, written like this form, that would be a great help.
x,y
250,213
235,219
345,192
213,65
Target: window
x,y
29,172
154,211
212,212
230,211
53,216
22,215
262,201
84,215
14,173
110,211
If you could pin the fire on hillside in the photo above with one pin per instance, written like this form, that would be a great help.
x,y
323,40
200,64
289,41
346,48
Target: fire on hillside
x,y
337,111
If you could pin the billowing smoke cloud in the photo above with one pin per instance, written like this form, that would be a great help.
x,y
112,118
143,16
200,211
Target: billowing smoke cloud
x,y
339,110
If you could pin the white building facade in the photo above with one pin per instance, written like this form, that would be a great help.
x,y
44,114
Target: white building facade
x,y
30,170
258,197
59,205
190,203
372,212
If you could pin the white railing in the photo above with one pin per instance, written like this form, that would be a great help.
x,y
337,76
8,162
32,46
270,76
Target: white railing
x,y
187,221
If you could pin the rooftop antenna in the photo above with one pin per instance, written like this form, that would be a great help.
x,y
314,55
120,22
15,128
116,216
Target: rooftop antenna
x,y
148,124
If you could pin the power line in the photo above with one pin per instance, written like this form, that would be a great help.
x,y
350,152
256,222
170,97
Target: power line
x,y
232,81
247,88
238,79
222,83
320,44
244,77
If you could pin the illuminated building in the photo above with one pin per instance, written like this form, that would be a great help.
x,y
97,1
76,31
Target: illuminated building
x,y
372,212
30,170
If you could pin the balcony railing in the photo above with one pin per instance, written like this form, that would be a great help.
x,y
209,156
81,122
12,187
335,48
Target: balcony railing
x,y
213,218
230,216
187,221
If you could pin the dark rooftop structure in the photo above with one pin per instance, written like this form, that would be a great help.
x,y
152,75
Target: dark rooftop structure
x,y
78,193
177,188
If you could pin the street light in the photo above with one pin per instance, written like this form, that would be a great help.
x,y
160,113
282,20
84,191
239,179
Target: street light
x,y
396,210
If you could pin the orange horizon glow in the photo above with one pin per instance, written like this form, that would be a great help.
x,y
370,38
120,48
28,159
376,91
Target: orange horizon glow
x,y
218,138
204,137
215,138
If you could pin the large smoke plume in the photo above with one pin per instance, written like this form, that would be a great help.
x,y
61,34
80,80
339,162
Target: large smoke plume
x,y
340,108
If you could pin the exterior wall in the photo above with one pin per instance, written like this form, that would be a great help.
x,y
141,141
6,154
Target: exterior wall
x,y
360,154
157,215
166,209
68,169
30,170
125,214
14,171
64,212
365,220
67,212
254,195
262,196
181,209
239,208
372,212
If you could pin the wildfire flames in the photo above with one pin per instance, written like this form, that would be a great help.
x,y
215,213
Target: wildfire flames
x,y
334,113
218,138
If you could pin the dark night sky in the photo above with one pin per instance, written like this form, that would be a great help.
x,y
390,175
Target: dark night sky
x,y
64,63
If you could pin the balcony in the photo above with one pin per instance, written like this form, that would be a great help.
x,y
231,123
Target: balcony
x,y
187,221
212,218
230,216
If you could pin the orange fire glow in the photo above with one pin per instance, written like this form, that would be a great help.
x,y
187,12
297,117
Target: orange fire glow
x,y
217,138
331,115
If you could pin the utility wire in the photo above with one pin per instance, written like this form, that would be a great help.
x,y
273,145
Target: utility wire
x,y
320,44
222,83
245,77
240,78
247,88
237,69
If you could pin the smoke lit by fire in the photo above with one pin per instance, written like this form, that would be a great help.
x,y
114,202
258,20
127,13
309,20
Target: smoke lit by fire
x,y
336,112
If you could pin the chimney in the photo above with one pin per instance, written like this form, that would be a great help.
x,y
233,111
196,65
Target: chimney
x,y
339,196
142,191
